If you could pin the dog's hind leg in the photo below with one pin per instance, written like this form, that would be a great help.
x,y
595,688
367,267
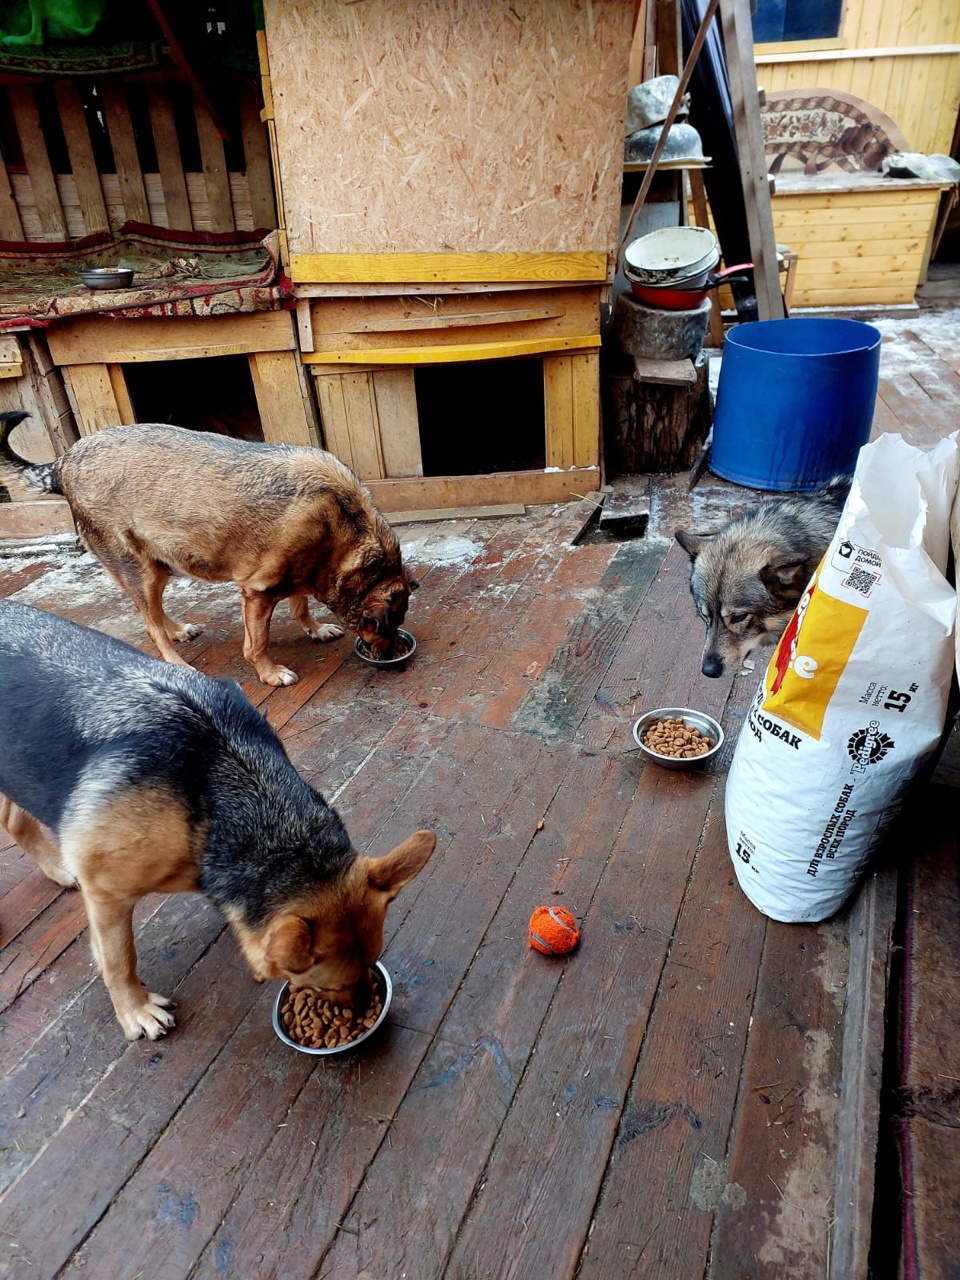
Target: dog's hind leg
x,y
32,838
154,578
257,611
143,581
300,612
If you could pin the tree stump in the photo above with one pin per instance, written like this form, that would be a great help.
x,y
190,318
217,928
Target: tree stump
x,y
654,426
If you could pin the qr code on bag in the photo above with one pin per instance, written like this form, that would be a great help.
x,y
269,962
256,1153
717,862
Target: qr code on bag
x,y
862,581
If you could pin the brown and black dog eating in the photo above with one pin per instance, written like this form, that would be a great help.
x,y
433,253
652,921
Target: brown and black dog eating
x,y
281,521
126,776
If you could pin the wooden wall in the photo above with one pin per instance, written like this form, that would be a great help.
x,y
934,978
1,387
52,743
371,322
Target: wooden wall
x,y
902,56
425,127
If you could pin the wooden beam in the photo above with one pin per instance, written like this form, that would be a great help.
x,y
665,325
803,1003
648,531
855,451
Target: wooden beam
x,y
440,492
116,112
53,223
216,178
82,162
169,160
256,151
11,228
742,74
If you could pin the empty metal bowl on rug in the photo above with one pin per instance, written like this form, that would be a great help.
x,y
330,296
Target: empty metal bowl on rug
x,y
705,725
682,148
384,990
404,640
106,277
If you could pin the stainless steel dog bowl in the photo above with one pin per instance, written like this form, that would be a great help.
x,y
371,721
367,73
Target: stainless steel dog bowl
x,y
342,1048
107,277
361,650
699,720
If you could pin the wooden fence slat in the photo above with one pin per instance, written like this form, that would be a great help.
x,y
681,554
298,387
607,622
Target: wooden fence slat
x,y
24,105
11,227
169,160
120,127
82,161
214,170
257,153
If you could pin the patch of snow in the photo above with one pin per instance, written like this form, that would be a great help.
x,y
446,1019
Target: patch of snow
x,y
429,549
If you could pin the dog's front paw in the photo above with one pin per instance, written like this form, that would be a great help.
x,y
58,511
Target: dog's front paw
x,y
325,631
278,676
151,1018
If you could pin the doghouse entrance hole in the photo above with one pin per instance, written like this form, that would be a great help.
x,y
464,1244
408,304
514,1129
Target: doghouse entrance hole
x,y
480,417
215,393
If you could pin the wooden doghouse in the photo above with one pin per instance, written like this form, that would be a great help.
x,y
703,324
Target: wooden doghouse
x,y
450,181
100,162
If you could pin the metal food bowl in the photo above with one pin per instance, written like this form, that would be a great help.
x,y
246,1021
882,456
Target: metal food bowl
x,y
107,277
387,987
707,726
361,650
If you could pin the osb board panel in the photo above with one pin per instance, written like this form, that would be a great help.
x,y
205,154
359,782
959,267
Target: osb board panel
x,y
464,127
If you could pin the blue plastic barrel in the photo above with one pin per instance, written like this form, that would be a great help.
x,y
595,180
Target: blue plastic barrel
x,y
795,401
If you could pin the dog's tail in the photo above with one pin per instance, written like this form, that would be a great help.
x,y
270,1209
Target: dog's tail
x,y
42,477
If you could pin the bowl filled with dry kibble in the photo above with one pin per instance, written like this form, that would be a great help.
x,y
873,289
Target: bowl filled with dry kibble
x,y
304,1020
404,647
677,737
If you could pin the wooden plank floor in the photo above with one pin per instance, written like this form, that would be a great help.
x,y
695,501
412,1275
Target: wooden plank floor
x,y
696,1092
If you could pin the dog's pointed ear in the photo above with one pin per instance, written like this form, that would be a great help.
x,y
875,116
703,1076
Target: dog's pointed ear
x,y
390,873
287,945
692,543
785,581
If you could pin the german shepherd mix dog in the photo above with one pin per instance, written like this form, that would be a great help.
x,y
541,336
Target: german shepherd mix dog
x,y
152,501
748,577
157,779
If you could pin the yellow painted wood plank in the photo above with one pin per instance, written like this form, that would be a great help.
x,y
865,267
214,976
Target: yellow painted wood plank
x,y
422,268
450,354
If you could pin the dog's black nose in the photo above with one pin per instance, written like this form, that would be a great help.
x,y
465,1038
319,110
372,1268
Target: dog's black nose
x,y
712,666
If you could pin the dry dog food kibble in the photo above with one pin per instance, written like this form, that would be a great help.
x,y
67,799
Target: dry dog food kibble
x,y
319,1024
674,738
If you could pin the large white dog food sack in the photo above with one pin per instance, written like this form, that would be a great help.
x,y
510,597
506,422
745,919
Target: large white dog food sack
x,y
854,699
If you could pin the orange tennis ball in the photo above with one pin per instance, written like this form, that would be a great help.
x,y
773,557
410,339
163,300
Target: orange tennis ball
x,y
553,930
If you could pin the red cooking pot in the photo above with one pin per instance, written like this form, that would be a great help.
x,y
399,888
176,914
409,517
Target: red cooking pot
x,y
669,299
